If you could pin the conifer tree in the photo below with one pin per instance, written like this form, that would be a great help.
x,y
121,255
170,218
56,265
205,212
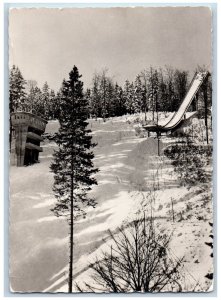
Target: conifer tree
x,y
45,100
170,87
72,162
17,95
162,98
180,87
31,99
110,105
95,102
138,95
104,94
51,105
153,90
88,98
144,76
38,106
119,101
129,96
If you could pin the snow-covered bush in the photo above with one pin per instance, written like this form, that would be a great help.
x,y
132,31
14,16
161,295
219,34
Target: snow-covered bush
x,y
190,162
197,130
139,131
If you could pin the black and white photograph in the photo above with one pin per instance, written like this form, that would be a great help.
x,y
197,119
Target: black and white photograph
x,y
111,149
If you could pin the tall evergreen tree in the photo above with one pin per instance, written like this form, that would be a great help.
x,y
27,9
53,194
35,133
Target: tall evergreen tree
x,y
17,95
72,161
52,105
17,92
119,103
31,99
110,105
162,95
104,94
95,101
38,106
129,96
153,90
88,98
138,95
170,88
180,86
46,99
144,76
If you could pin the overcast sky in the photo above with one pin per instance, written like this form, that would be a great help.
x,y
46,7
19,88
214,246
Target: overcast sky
x,y
46,43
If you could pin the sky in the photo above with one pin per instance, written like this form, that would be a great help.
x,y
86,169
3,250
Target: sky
x,y
46,43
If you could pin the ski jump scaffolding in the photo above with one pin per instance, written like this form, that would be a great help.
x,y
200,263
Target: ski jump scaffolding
x,y
198,79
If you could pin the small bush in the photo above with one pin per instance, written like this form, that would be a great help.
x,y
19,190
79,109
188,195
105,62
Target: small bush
x,y
189,161
139,131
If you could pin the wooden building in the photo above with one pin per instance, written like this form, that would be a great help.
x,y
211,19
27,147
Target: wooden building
x,y
28,129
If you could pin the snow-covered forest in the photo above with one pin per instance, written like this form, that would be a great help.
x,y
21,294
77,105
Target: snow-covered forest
x,y
161,89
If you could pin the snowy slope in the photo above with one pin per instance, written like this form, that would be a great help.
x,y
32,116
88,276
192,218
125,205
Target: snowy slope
x,y
128,168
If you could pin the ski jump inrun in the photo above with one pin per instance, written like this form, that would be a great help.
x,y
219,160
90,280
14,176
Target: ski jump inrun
x,y
175,120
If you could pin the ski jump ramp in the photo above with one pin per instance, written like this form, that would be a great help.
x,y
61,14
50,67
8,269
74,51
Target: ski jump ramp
x,y
197,81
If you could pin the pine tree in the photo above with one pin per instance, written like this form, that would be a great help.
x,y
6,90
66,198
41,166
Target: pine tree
x,y
31,99
144,75
110,105
119,101
17,95
162,98
88,98
57,105
138,95
153,90
103,89
170,88
45,100
51,105
38,107
72,165
129,96
95,101
180,87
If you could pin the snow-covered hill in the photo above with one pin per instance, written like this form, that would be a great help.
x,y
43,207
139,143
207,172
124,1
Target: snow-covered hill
x,y
129,170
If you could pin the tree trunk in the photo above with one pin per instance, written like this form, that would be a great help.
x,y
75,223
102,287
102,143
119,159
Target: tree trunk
x,y
71,237
71,223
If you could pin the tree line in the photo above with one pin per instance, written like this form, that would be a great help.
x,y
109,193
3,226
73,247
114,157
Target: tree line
x,y
25,95
152,90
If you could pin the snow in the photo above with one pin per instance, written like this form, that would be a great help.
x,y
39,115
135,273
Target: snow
x,y
46,203
47,219
129,169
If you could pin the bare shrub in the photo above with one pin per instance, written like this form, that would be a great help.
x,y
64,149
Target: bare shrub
x,y
138,260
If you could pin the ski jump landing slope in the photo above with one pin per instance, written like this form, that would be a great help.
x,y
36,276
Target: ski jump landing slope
x,y
197,81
